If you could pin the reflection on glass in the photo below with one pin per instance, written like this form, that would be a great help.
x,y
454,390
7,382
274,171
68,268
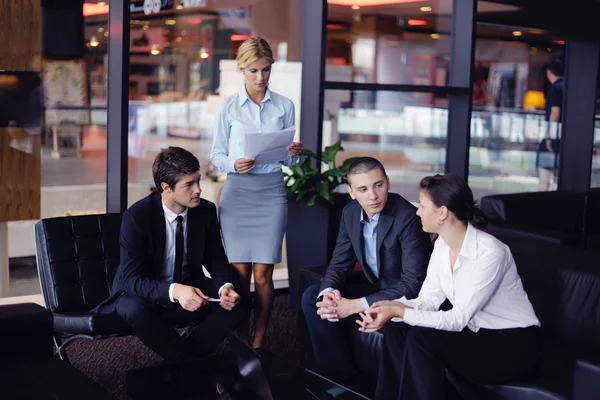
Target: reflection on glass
x,y
397,43
405,131
595,179
515,124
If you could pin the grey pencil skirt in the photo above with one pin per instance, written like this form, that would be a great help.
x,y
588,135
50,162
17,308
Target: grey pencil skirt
x,y
253,216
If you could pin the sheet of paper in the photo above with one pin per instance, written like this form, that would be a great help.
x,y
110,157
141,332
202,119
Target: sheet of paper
x,y
268,147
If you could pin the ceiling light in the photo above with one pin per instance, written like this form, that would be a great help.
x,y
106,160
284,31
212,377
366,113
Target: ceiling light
x,y
94,42
170,22
155,50
426,9
355,7
517,33
101,3
435,36
100,29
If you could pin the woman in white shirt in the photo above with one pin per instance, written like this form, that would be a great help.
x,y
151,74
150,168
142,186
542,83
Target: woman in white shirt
x,y
253,205
489,335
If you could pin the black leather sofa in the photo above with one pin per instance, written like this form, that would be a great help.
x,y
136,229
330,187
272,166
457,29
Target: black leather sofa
x,y
550,217
28,369
564,287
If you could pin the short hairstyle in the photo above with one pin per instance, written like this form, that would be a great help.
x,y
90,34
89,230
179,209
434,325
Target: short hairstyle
x,y
253,49
171,164
556,67
362,165
453,192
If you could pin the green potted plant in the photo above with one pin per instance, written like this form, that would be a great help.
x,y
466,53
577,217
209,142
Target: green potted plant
x,y
314,210
319,182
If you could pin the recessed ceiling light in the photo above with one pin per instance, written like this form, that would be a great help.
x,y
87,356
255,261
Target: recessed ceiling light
x,y
355,7
435,36
517,33
426,9
170,22
101,3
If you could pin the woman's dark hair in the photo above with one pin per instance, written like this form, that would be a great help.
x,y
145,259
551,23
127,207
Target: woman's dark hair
x,y
171,164
453,192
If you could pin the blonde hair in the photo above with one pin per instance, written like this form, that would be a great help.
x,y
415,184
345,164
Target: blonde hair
x,y
253,49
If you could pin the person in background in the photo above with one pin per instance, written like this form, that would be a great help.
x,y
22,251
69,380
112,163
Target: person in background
x,y
253,205
548,148
382,232
490,335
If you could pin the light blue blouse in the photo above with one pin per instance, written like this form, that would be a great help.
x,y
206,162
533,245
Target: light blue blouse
x,y
239,115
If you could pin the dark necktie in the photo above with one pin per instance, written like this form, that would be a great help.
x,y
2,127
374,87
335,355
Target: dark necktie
x,y
177,268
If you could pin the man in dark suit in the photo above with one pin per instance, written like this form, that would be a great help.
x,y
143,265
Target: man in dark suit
x,y
382,232
165,240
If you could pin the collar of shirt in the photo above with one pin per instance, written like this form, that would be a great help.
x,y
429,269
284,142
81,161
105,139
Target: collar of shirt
x,y
374,219
469,246
243,96
170,215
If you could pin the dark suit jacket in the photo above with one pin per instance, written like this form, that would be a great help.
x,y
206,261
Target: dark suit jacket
x,y
142,240
403,251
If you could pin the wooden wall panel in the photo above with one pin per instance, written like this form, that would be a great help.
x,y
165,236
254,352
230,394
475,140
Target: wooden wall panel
x,y
20,35
20,175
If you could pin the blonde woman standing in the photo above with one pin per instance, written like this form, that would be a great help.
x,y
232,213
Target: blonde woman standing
x,y
253,206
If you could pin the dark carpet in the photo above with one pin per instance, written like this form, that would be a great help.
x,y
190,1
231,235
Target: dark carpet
x,y
107,361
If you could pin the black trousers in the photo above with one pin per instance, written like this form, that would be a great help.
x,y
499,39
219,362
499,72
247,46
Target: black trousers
x,y
155,324
332,341
414,359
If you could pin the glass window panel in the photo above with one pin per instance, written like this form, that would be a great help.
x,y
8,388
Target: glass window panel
x,y
398,42
510,132
405,131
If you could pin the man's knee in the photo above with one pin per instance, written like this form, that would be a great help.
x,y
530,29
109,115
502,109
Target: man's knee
x,y
309,299
135,310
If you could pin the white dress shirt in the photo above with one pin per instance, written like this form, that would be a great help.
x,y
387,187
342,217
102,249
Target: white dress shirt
x,y
238,116
169,259
484,288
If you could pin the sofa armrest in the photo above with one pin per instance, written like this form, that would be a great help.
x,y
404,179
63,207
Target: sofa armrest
x,y
586,382
26,331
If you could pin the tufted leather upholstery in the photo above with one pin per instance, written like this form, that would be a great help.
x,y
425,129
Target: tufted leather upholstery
x,y
77,260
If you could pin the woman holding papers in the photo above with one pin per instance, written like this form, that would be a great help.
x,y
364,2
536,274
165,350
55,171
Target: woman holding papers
x,y
489,335
253,206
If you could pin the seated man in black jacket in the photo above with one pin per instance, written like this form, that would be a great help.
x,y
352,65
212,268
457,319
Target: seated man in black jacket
x,y
165,239
381,231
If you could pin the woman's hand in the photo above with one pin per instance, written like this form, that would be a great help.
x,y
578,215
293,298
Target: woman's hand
x,y
243,165
295,148
379,314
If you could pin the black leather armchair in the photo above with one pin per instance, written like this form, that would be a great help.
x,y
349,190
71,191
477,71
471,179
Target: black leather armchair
x,y
77,259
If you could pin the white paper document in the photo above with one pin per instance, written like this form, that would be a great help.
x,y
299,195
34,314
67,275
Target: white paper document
x,y
268,147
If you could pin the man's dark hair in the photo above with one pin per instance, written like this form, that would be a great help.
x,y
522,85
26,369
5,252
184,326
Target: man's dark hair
x,y
453,192
556,67
362,165
171,164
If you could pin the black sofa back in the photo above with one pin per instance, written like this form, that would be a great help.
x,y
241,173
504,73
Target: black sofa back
x,y
77,260
566,298
558,217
